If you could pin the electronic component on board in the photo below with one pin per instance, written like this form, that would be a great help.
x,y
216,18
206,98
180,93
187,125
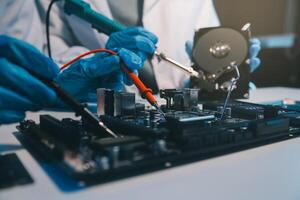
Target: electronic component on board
x,y
115,103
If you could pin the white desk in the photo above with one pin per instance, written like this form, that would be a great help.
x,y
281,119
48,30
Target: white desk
x,y
268,172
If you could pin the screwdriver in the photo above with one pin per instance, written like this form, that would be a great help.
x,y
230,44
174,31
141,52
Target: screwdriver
x,y
189,70
107,26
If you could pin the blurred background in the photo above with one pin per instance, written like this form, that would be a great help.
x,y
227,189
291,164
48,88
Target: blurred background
x,y
277,24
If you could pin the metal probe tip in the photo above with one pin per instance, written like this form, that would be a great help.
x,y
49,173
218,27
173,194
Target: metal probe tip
x,y
108,130
159,110
96,121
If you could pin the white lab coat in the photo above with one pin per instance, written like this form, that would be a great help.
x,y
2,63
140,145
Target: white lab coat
x,y
173,21
20,19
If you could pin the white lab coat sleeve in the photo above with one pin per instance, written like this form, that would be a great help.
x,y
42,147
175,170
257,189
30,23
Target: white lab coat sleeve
x,y
175,23
64,45
208,18
20,19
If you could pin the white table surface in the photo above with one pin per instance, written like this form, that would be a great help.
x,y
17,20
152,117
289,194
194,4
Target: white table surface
x,y
267,172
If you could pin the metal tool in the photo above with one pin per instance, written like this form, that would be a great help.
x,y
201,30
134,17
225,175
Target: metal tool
x,y
189,70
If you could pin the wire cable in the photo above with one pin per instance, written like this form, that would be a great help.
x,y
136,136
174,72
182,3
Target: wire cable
x,y
48,27
85,54
146,92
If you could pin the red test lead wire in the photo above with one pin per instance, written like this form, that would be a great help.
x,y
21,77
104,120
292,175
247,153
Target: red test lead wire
x,y
85,54
146,92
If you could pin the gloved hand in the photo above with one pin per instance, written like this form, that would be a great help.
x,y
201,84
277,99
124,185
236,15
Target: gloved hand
x,y
135,39
255,47
133,45
254,50
19,90
83,77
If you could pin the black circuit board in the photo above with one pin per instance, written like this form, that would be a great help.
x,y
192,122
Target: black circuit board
x,y
12,172
149,142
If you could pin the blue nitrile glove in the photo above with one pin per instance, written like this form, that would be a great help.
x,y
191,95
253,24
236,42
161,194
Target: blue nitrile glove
x,y
254,61
189,48
83,77
133,45
254,50
135,39
19,90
